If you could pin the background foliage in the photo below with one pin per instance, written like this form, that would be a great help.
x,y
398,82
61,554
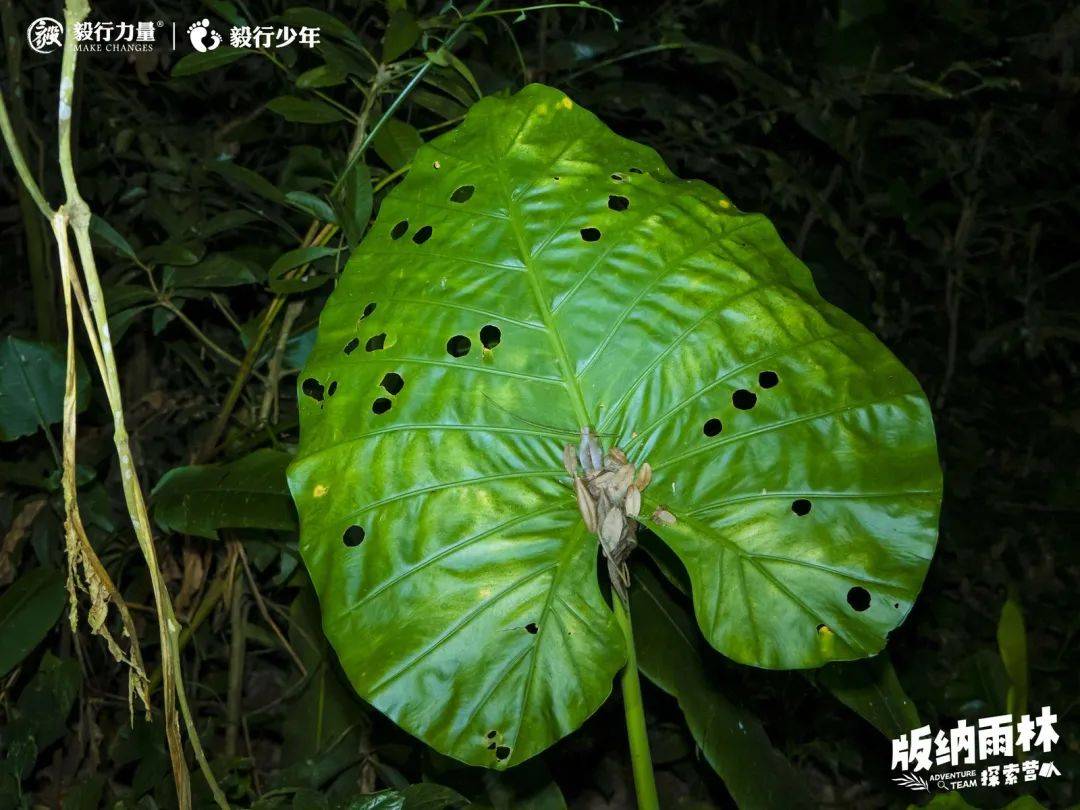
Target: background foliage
x,y
921,158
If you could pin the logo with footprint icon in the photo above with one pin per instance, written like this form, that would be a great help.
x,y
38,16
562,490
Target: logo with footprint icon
x,y
203,37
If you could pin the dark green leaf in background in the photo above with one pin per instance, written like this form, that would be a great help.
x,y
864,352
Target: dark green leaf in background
x,y
108,234
871,689
311,204
396,143
32,386
324,727
414,797
193,63
321,76
248,179
298,258
354,203
304,111
29,608
215,271
249,493
38,720
317,18
1012,646
402,32
731,739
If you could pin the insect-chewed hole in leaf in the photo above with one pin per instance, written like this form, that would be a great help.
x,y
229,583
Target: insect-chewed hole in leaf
x,y
713,427
859,598
368,310
502,752
768,379
462,194
422,235
400,229
636,170
350,347
392,382
591,234
744,400
532,628
332,389
618,178
375,343
492,734
616,202
801,506
381,405
458,346
353,536
490,336
313,388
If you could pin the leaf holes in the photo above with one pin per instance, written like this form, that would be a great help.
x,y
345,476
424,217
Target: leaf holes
x,y
381,405
859,598
332,389
712,427
768,379
490,336
744,400
492,734
376,343
350,347
400,229
618,178
532,628
368,310
636,170
313,388
801,507
353,536
462,194
458,346
502,752
591,234
393,382
422,235
616,202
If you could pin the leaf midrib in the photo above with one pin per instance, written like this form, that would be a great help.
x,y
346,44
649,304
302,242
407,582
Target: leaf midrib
x,y
569,379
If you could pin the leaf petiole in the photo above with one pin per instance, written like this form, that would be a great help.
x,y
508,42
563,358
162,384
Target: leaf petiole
x,y
640,759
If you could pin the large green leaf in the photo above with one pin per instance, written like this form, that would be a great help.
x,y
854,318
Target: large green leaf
x,y
536,274
29,608
32,386
249,493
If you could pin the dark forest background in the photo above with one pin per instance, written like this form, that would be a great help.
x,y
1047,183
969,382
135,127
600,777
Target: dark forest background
x,y
921,158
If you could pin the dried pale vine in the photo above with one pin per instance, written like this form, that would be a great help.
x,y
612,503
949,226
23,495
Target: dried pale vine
x,y
85,571
76,214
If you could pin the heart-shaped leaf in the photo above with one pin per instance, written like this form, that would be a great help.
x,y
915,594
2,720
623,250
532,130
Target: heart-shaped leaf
x,y
536,274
